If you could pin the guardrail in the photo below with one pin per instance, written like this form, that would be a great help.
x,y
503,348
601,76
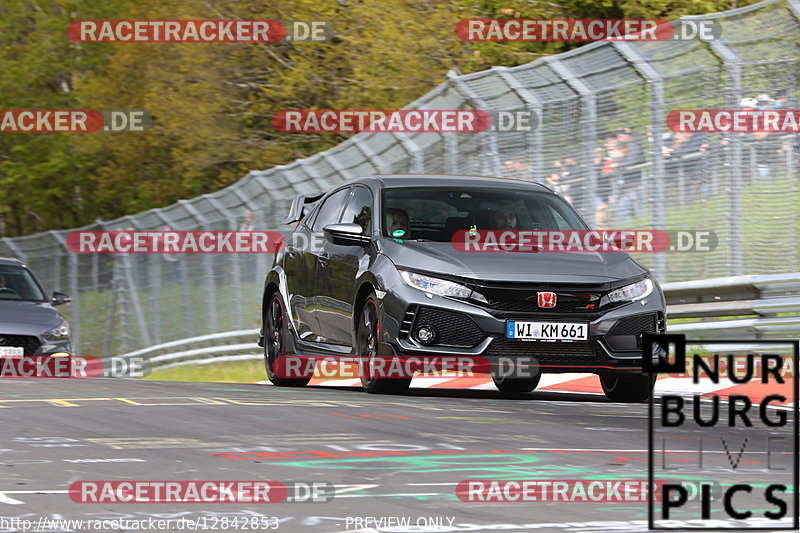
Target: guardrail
x,y
217,347
742,308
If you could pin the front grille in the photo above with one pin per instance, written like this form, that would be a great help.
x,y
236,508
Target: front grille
x,y
522,298
626,335
634,325
453,329
28,343
546,352
565,303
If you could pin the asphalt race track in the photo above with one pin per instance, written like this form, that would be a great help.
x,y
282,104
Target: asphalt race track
x,y
414,449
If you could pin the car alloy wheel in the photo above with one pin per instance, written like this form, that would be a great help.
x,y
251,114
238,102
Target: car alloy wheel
x,y
368,335
275,332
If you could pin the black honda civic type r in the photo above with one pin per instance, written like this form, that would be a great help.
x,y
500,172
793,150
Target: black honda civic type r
x,y
352,285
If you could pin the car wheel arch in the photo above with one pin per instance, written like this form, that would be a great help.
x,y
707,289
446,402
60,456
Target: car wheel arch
x,y
364,290
270,289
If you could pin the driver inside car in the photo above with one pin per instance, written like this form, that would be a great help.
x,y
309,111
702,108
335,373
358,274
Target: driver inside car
x,y
503,218
3,287
397,223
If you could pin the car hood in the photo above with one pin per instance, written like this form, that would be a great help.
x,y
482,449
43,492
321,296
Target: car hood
x,y
27,318
568,267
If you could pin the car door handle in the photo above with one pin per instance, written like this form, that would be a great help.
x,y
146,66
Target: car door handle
x,y
323,259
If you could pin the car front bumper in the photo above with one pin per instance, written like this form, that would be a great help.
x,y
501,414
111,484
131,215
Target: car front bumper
x,y
472,330
36,345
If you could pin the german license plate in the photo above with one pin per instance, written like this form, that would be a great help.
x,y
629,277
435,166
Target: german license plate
x,y
11,351
547,331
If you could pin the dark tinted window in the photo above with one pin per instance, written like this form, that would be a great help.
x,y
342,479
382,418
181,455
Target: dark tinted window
x,y
17,284
359,208
329,211
435,213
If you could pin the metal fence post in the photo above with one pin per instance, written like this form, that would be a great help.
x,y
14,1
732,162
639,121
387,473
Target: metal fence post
x,y
535,106
414,152
589,114
72,275
155,301
657,120
733,66
365,149
208,266
489,137
237,263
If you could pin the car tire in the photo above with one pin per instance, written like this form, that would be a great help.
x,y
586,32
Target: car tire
x,y
368,335
516,384
276,333
627,389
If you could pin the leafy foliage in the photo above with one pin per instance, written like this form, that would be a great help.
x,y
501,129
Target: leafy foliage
x,y
212,103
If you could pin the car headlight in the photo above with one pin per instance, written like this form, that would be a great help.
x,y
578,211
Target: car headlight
x,y
58,333
442,287
632,292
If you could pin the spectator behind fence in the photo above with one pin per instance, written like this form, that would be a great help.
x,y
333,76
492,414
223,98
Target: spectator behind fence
x,y
782,100
571,179
248,221
514,168
764,102
606,160
631,195
683,144
765,151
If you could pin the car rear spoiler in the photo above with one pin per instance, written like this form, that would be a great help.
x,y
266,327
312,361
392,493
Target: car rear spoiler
x,y
298,209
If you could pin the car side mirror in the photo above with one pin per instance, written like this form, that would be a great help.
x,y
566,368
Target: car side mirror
x,y
347,234
59,298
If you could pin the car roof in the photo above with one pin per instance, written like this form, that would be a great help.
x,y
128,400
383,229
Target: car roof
x,y
10,261
438,180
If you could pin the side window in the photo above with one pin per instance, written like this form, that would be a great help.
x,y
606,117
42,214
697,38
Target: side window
x,y
329,211
359,209
562,224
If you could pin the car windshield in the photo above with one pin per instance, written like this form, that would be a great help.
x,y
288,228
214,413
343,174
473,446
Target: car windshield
x,y
17,283
434,213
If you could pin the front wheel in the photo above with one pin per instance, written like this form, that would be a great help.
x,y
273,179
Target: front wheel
x,y
368,338
627,388
505,384
276,332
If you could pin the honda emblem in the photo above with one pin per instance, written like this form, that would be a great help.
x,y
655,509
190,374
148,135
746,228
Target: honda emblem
x,y
546,299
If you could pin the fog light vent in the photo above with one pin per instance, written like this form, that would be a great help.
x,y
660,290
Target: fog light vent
x,y
425,334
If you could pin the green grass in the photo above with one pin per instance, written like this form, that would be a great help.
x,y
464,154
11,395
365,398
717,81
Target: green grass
x,y
226,372
769,238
